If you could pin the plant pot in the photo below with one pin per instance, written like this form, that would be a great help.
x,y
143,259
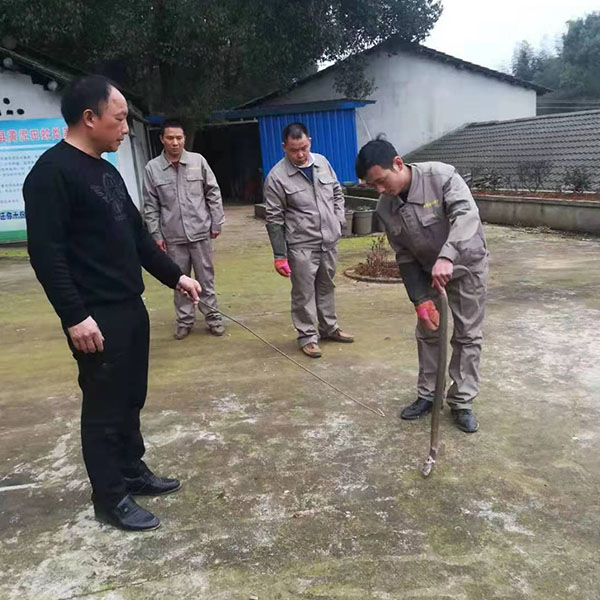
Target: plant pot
x,y
363,222
347,228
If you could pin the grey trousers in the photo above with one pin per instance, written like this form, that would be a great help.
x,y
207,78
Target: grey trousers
x,y
198,255
313,292
466,298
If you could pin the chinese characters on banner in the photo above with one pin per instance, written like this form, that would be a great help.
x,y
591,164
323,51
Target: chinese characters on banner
x,y
22,142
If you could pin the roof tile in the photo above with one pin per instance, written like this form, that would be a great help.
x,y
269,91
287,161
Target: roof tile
x,y
565,141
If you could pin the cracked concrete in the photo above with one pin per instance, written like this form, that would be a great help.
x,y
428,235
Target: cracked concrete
x,y
292,491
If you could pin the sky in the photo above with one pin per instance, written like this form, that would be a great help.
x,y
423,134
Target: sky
x,y
485,32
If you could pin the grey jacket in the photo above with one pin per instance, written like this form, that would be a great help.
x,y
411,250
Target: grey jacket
x,y
181,204
439,220
312,213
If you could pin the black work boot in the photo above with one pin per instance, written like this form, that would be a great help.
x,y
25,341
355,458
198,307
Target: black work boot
x,y
128,515
217,329
416,410
148,484
465,419
181,332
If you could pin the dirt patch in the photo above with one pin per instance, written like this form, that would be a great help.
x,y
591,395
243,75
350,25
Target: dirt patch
x,y
377,267
385,272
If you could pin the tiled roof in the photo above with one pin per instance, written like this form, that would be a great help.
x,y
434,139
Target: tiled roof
x,y
563,141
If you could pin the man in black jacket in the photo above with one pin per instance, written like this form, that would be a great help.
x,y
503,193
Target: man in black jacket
x,y
87,246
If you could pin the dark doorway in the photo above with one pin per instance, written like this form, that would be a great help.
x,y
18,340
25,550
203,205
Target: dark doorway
x,y
233,152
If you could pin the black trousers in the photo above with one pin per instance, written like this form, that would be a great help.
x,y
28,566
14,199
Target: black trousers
x,y
114,384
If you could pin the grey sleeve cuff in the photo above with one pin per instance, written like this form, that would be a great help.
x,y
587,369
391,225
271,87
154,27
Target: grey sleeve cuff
x,y
277,237
449,252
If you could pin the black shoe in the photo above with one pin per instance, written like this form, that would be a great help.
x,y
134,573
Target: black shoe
x,y
127,515
419,408
465,420
217,330
148,484
181,332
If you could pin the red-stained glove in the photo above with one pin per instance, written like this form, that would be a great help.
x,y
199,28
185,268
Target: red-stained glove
x,y
282,267
428,315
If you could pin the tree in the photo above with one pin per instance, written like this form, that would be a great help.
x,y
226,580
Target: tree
x,y
574,69
524,63
191,56
581,56
548,70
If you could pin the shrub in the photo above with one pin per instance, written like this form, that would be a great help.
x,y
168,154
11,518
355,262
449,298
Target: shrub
x,y
378,254
531,174
484,178
578,179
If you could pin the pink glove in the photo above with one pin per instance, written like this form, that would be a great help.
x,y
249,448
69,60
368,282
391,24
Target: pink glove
x,y
282,267
428,315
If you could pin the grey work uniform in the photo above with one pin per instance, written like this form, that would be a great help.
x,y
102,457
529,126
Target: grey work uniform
x,y
312,214
182,205
439,219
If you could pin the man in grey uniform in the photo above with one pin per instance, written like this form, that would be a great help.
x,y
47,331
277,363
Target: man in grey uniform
x,y
433,224
184,212
305,213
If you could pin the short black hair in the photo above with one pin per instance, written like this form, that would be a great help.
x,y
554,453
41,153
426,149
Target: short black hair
x,y
85,93
171,122
294,131
376,152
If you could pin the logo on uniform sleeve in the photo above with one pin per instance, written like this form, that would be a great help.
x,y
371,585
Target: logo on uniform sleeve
x,y
113,192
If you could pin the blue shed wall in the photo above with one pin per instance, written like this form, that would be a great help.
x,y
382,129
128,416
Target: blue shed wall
x,y
333,134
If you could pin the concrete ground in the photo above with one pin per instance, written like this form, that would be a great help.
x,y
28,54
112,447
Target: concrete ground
x,y
290,491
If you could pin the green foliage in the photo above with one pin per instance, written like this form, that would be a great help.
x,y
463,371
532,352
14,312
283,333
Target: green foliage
x,y
574,70
524,63
189,57
351,79
581,56
548,70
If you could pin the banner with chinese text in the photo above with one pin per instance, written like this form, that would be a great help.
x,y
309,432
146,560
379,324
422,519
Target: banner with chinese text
x,y
22,142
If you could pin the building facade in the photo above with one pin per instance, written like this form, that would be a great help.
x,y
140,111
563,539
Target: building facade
x,y
31,122
420,95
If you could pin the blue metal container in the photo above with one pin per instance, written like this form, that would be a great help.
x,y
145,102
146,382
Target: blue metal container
x,y
333,134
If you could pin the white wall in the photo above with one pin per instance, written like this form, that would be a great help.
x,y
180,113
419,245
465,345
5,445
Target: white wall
x,y
142,151
39,103
419,99
36,102
129,165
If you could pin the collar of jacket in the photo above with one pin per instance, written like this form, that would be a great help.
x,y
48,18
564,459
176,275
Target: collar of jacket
x,y
415,192
291,169
414,195
165,163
